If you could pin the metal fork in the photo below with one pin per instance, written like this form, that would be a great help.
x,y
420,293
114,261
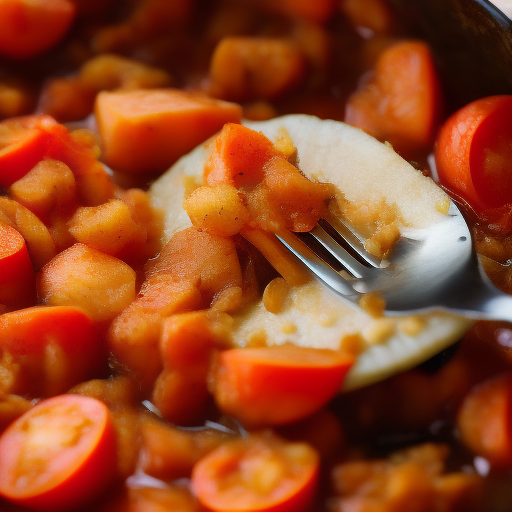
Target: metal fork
x,y
429,269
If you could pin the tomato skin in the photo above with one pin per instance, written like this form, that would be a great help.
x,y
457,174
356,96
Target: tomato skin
x,y
228,479
71,475
30,27
277,385
472,151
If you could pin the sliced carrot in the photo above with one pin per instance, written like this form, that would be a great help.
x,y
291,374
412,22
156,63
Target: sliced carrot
x,y
20,149
277,255
55,348
30,27
238,157
485,420
67,465
17,277
402,103
147,131
279,384
260,473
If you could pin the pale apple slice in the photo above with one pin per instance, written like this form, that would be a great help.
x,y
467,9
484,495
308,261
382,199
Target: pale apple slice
x,y
364,170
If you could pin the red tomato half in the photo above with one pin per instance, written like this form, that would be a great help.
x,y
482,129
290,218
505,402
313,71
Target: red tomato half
x,y
474,153
277,385
58,454
258,474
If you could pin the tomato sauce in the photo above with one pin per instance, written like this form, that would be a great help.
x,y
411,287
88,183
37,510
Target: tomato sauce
x,y
119,389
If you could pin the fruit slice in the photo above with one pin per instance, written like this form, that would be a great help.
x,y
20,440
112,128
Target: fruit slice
x,y
370,174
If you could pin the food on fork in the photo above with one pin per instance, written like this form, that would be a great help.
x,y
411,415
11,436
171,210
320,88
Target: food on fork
x,y
378,191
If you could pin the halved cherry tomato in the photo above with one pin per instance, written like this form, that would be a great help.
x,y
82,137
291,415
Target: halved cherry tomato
x,y
30,27
21,147
58,454
485,420
402,103
259,474
474,153
279,384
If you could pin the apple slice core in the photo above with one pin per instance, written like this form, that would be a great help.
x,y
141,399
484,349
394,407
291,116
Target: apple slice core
x,y
364,170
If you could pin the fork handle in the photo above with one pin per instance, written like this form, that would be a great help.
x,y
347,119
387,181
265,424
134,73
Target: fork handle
x,y
483,302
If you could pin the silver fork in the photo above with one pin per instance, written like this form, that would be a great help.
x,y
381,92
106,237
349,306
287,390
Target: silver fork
x,y
429,269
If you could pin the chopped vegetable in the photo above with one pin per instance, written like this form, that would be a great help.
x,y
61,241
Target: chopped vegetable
x,y
17,278
402,102
473,153
258,474
30,27
59,454
146,131
278,384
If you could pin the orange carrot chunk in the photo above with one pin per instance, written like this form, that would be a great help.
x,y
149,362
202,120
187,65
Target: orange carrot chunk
x,y
279,384
30,27
20,149
17,278
238,157
147,131
402,103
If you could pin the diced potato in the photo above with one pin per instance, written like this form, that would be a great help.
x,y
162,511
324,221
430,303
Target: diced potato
x,y
83,277
245,68
48,186
107,228
107,72
218,209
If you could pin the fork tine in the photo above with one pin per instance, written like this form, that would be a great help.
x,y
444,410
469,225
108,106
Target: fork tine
x,y
338,252
338,228
317,266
